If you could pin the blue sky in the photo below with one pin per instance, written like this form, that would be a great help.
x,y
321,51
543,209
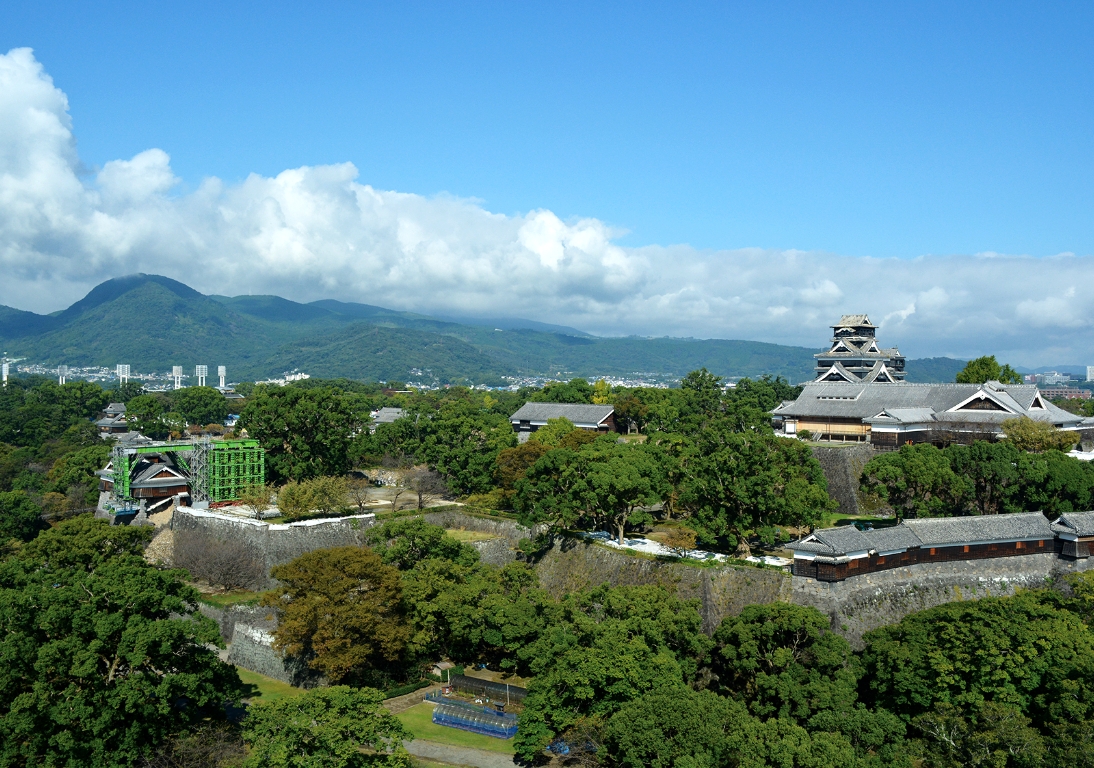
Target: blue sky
x,y
861,129
713,139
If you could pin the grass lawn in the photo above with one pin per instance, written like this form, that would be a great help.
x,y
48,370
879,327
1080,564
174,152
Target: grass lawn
x,y
461,535
224,599
266,688
419,720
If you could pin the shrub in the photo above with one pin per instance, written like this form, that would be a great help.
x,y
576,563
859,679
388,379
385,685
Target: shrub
x,y
222,563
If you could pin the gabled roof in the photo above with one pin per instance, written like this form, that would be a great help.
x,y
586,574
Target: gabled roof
x,y
834,541
1075,523
863,400
581,415
114,409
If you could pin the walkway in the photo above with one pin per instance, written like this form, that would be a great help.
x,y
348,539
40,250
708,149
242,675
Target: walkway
x,y
407,700
463,756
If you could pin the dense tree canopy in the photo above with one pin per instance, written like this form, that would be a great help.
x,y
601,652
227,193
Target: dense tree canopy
x,y
341,610
326,728
101,655
306,432
981,479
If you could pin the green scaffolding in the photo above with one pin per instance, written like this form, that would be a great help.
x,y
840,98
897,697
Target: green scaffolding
x,y
233,466
220,470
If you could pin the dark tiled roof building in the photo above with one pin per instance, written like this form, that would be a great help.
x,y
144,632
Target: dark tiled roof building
x,y
834,554
532,416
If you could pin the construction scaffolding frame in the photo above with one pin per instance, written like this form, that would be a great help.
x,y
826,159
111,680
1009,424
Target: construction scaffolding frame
x,y
220,470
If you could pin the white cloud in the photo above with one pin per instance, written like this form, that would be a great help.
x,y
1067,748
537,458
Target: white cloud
x,y
318,232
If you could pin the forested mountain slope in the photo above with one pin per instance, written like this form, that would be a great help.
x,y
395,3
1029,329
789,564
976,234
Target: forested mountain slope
x,y
153,322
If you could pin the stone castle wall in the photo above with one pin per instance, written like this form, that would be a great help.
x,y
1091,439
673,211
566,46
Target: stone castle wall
x,y
842,468
275,544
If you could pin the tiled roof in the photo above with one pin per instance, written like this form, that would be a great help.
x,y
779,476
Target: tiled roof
x,y
930,532
853,321
1075,523
866,401
580,415
388,415
940,531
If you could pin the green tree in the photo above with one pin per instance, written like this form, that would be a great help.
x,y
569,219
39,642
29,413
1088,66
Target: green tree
x,y
126,391
677,727
77,470
999,474
20,517
784,661
917,481
512,464
604,485
200,405
1025,434
552,433
146,413
741,481
306,432
572,391
1022,651
325,728
341,610
84,542
988,733
606,648
987,368
406,541
99,651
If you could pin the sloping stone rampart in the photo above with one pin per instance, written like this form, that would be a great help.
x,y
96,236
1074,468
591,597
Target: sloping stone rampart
x,y
275,544
573,564
842,468
862,603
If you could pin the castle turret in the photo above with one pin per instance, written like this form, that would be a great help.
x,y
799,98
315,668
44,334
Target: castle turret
x,y
855,355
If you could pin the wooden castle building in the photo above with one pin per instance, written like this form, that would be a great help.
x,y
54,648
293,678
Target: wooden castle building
x,y
856,357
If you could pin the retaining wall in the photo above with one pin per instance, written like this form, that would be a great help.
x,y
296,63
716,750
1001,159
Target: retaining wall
x,y
275,544
573,564
866,602
842,469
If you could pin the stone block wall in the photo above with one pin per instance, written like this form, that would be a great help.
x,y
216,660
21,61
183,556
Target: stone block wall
x,y
842,469
276,544
573,564
862,603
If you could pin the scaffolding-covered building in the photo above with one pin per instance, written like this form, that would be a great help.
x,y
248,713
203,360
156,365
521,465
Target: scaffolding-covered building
x,y
206,470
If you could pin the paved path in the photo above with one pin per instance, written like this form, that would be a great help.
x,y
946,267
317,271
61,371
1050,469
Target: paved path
x,y
462,756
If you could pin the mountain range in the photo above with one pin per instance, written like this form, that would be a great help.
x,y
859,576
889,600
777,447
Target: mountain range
x,y
153,322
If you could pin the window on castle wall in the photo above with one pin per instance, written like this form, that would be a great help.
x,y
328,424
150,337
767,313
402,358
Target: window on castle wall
x,y
932,550
853,564
1019,545
966,549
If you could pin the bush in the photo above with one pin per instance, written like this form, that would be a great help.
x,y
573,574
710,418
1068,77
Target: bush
x,y
402,690
225,564
322,497
216,745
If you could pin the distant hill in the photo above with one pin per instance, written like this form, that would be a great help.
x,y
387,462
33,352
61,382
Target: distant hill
x,y
153,322
933,370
